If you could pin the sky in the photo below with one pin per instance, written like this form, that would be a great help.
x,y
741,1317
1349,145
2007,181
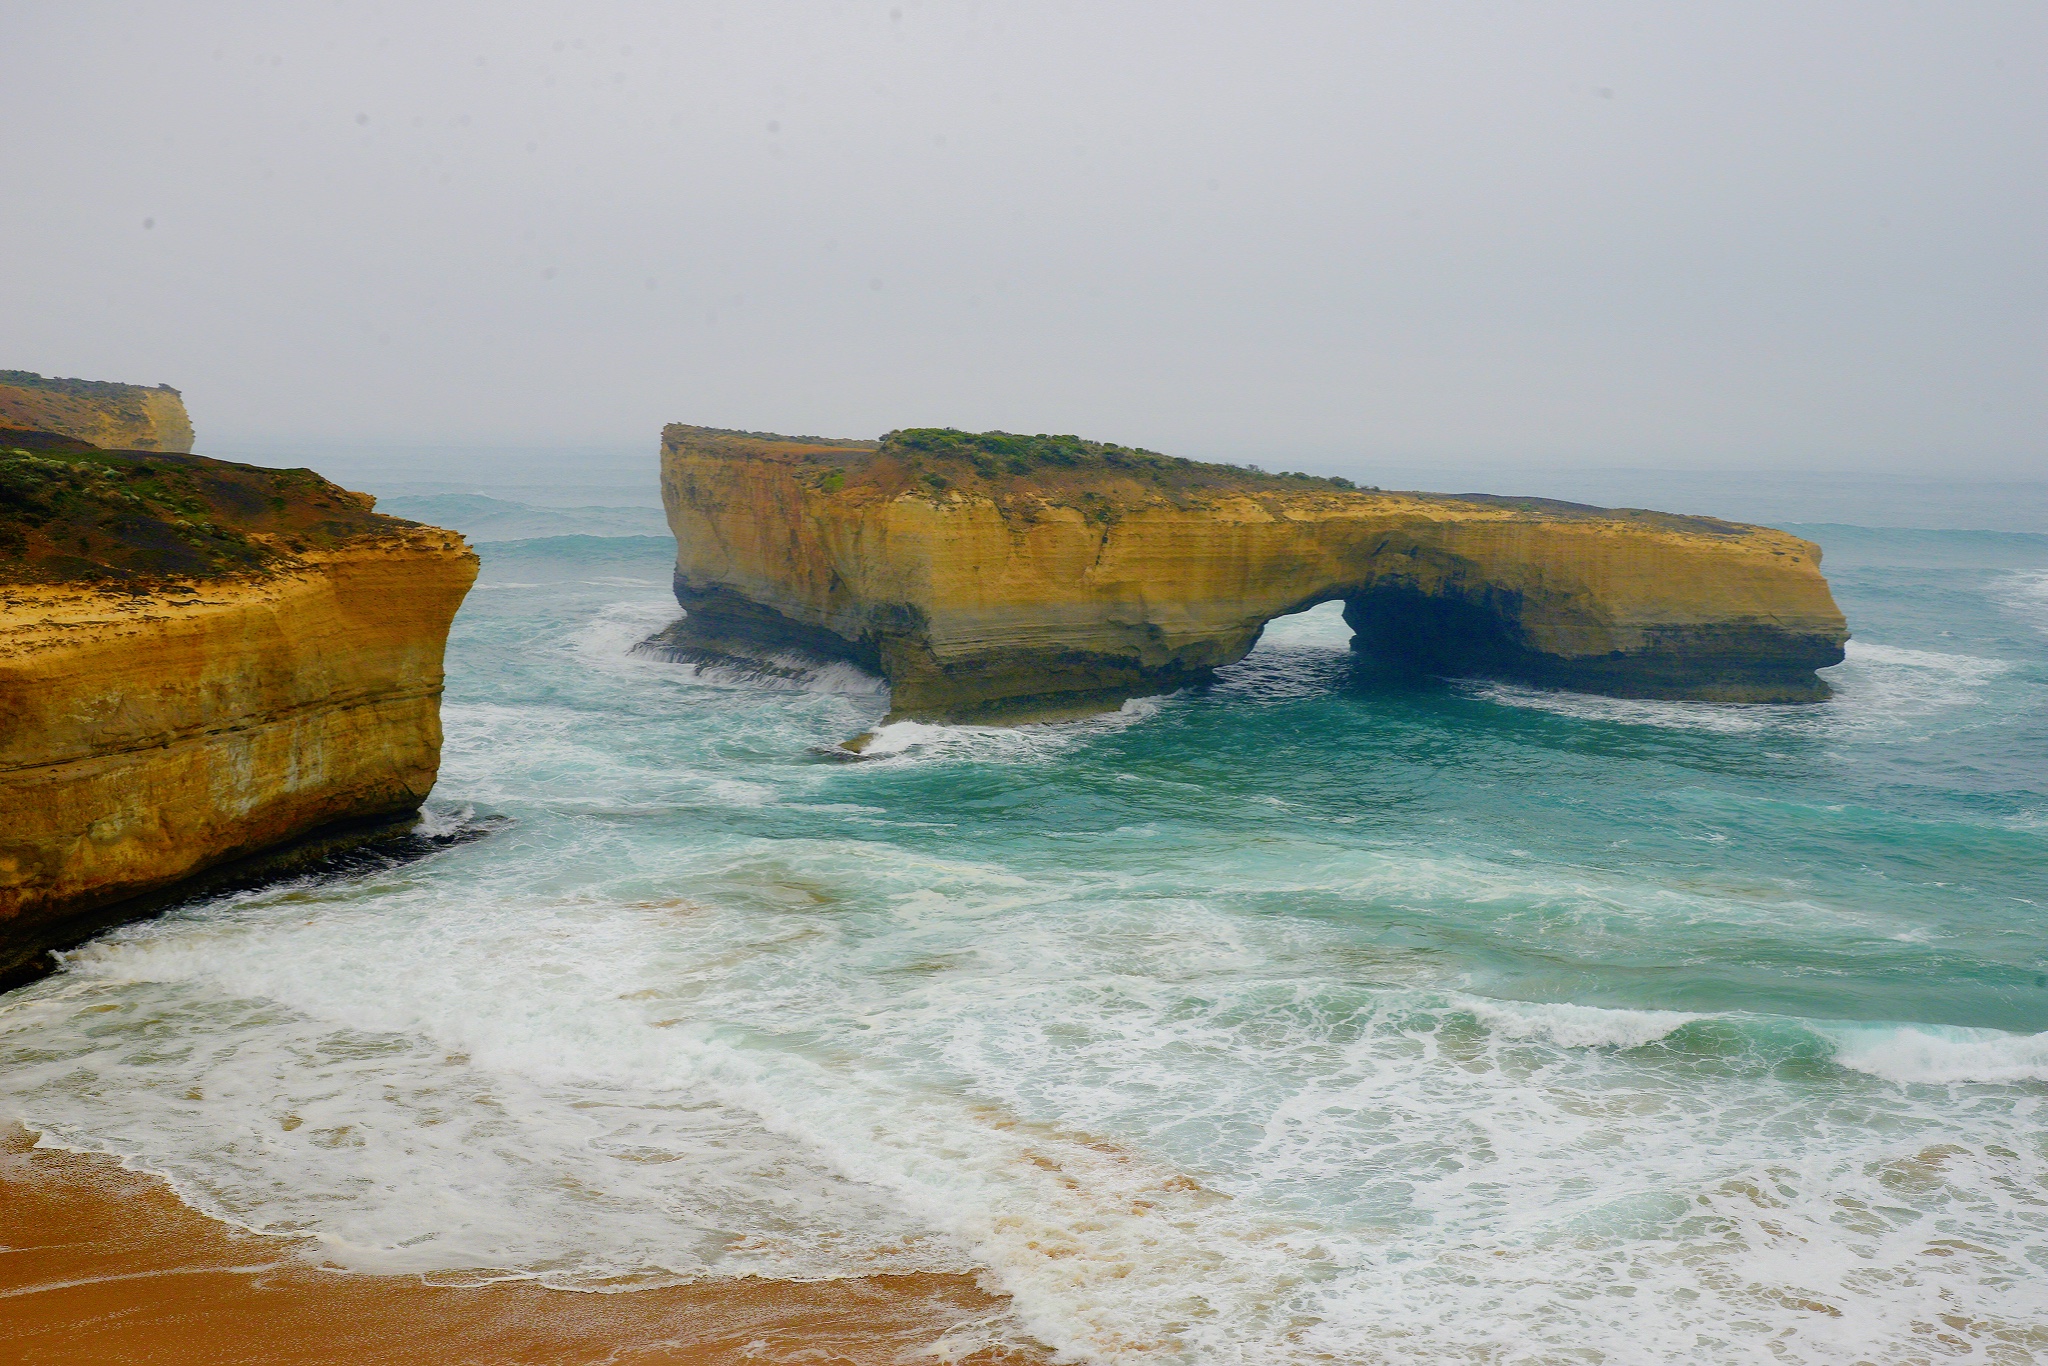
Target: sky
x,y
1707,237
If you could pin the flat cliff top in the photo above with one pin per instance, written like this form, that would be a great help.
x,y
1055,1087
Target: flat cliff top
x,y
97,389
936,459
100,412
73,514
1105,481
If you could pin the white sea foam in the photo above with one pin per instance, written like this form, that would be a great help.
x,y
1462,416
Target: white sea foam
x,y
2025,594
1881,686
607,638
1933,1054
991,1074
925,740
1531,895
1890,696
1905,1053
1575,1026
439,820
612,639
741,793
1716,717
545,1140
1877,687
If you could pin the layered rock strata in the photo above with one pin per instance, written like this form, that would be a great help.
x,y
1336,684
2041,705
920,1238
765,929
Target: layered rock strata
x,y
997,577
200,662
114,416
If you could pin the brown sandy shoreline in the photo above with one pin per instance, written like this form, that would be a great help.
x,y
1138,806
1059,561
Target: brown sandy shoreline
x,y
103,1265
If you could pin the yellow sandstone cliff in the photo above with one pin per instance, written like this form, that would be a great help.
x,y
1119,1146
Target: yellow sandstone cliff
x,y
199,662
114,416
998,577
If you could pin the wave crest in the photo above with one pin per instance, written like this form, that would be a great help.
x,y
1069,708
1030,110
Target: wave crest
x,y
1571,1026
1939,1055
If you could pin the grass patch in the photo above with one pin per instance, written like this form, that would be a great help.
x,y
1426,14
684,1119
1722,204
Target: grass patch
x,y
1001,456
72,513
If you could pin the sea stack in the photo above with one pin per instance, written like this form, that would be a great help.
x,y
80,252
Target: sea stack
x,y
203,665
992,577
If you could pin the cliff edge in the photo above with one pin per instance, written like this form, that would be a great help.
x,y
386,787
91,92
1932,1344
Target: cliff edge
x,y
98,412
200,661
998,577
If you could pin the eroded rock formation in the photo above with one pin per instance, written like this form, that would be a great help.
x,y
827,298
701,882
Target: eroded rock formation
x,y
996,577
101,413
200,662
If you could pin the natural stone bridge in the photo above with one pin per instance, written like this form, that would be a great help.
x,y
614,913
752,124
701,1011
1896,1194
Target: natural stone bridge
x,y
990,577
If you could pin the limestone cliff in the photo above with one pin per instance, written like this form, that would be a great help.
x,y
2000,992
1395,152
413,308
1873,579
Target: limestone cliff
x,y
199,662
115,416
989,576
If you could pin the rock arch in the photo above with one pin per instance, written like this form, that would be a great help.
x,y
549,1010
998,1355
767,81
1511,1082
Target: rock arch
x,y
1018,597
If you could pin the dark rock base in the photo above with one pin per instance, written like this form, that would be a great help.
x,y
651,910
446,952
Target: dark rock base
x,y
28,953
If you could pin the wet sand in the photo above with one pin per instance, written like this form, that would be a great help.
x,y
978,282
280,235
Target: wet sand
x,y
104,1265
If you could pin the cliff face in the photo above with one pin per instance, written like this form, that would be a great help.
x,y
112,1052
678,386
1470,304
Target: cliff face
x,y
229,659
993,577
114,416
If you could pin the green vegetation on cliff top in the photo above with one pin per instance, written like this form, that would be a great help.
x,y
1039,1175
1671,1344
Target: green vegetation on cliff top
x,y
1006,463
992,455
1024,470
75,388
73,513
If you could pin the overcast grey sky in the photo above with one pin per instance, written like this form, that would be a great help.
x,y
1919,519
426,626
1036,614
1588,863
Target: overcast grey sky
x,y
1689,235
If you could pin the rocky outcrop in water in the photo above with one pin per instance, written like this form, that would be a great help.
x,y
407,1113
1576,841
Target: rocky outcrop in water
x,y
100,413
201,663
1014,578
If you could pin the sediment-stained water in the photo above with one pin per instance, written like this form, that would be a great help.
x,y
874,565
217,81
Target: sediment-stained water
x,y
1318,1015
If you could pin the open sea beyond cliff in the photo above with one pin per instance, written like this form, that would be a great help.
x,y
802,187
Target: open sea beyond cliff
x,y
1316,1015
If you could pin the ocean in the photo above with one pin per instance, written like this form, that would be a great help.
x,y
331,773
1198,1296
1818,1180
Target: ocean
x,y
1317,1015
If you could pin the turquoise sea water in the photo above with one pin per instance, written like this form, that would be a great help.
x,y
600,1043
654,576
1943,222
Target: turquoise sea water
x,y
1318,1015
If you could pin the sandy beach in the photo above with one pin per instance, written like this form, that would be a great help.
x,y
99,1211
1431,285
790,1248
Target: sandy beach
x,y
103,1265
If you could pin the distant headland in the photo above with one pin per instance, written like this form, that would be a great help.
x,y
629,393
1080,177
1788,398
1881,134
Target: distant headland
x,y
123,417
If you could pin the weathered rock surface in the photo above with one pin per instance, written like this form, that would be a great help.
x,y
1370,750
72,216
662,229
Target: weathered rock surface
x,y
994,577
200,662
115,416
